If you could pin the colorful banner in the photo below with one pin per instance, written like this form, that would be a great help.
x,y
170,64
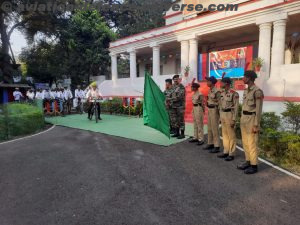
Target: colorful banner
x,y
232,62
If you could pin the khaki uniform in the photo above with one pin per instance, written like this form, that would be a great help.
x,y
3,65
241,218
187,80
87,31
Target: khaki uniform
x,y
198,111
213,117
229,107
251,116
178,106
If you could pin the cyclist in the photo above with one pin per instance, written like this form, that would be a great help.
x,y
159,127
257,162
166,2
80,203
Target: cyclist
x,y
93,94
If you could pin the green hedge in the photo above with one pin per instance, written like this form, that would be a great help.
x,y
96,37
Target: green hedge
x,y
20,119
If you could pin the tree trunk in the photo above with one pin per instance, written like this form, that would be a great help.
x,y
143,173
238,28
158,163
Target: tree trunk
x,y
4,36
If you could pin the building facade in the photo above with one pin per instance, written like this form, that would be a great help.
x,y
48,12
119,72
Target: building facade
x,y
269,29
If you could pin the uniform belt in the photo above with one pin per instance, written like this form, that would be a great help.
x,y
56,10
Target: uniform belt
x,y
226,110
211,106
249,113
197,105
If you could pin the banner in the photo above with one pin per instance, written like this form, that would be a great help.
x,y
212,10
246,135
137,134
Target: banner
x,y
232,62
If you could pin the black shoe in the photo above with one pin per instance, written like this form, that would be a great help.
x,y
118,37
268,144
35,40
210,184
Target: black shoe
x,y
99,118
215,150
181,136
172,132
223,156
244,165
229,158
200,143
209,147
251,170
193,141
176,133
89,117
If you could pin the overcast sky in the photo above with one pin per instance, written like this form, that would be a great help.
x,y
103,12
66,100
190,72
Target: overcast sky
x,y
17,42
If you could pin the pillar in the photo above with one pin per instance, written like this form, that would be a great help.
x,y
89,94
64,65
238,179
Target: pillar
x,y
278,48
114,66
184,55
193,58
133,72
156,60
264,49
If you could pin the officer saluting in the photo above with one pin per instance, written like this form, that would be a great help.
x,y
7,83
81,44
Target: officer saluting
x,y
213,116
198,111
250,122
229,106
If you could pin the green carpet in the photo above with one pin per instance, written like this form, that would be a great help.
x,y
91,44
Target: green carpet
x,y
121,126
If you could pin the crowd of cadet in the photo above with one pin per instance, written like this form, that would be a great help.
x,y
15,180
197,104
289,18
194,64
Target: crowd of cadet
x,y
222,105
60,101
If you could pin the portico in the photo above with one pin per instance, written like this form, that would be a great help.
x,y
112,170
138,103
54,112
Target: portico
x,y
263,25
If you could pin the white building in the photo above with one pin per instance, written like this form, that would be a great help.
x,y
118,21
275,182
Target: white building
x,y
265,25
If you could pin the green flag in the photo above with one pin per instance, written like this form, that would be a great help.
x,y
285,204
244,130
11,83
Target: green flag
x,y
155,113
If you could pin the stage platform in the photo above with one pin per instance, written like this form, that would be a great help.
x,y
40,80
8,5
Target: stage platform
x,y
120,126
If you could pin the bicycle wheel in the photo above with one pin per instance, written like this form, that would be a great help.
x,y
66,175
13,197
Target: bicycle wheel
x,y
96,113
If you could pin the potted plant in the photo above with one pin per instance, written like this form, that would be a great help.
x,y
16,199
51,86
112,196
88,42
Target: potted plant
x,y
257,64
186,71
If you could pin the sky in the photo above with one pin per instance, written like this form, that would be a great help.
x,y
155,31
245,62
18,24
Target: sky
x,y
17,42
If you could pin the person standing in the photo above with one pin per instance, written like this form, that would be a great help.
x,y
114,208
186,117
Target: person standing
x,y
178,107
213,116
17,95
39,94
68,98
30,95
168,95
60,100
79,96
198,114
229,107
250,122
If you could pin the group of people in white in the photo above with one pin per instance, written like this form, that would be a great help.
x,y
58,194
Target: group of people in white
x,y
61,100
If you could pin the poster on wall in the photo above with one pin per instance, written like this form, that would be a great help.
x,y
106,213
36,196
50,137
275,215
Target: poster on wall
x,y
232,62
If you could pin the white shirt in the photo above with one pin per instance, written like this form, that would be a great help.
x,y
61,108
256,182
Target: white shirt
x,y
17,95
59,95
79,94
39,95
46,94
67,94
30,95
93,94
52,94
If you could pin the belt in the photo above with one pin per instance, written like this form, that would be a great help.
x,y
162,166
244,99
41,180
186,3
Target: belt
x,y
226,110
211,106
249,113
197,105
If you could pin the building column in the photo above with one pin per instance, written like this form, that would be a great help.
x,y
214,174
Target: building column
x,y
278,48
156,60
133,72
193,58
264,49
184,55
114,66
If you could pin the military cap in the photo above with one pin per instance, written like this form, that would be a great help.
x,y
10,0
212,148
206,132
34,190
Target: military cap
x,y
169,81
195,85
226,80
212,79
175,77
251,74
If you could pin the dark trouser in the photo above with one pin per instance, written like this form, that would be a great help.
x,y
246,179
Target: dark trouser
x,y
90,113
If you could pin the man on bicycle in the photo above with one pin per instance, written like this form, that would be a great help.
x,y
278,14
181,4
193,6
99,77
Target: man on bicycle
x,y
93,94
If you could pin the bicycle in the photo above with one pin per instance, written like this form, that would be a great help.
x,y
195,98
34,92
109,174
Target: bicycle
x,y
94,110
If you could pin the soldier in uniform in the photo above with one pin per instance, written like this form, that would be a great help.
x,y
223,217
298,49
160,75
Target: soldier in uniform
x,y
168,95
213,116
229,107
178,107
250,122
198,112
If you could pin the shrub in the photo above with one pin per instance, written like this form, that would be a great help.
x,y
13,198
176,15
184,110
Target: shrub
x,y
292,116
270,121
20,119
